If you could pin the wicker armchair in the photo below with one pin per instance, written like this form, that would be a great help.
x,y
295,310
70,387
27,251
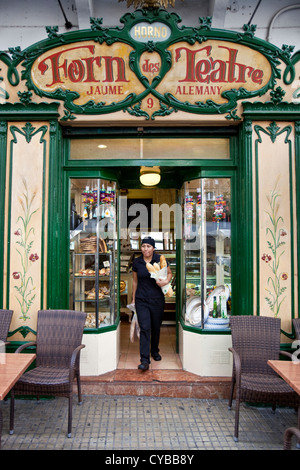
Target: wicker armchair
x,y
58,345
296,323
288,435
254,341
5,319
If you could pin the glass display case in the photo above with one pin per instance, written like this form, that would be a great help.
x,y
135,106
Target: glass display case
x,y
93,260
207,252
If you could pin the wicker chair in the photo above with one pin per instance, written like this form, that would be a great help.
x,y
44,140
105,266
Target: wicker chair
x,y
58,345
5,319
296,323
288,435
254,341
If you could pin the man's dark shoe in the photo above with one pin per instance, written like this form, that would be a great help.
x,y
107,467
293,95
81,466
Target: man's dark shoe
x,y
143,366
156,357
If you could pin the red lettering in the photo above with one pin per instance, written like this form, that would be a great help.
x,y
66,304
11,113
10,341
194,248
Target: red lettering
x,y
257,76
79,70
207,70
145,66
219,74
55,67
231,63
202,68
89,68
150,67
76,71
105,90
190,62
109,69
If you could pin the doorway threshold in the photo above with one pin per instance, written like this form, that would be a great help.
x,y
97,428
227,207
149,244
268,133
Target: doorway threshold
x,y
156,383
165,378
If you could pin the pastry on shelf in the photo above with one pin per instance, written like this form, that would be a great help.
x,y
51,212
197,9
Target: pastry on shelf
x,y
91,294
91,321
85,272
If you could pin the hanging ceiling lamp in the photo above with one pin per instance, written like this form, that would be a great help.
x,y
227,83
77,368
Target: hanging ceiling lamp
x,y
150,3
149,176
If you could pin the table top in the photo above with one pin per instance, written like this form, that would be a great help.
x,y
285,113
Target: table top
x,y
289,371
12,366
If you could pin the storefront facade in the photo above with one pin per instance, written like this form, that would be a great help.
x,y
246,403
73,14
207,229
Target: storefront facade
x,y
217,114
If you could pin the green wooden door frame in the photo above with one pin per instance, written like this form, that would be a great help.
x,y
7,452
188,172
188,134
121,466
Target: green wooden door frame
x,y
62,169
3,142
103,173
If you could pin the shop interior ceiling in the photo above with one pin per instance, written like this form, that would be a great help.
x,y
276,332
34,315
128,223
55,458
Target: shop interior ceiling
x,y
128,178
23,22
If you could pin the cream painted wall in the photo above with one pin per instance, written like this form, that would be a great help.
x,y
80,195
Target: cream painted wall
x,y
26,223
275,224
101,353
205,355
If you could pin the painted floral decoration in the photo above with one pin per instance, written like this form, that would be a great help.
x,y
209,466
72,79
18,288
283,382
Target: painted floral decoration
x,y
275,244
24,239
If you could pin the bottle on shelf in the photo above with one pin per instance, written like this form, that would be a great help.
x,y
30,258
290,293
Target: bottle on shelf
x,y
215,308
223,306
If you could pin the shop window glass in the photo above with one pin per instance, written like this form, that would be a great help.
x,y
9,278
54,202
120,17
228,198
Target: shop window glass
x,y
136,148
207,253
93,261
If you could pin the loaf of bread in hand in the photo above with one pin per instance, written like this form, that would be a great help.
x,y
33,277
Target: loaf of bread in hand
x,y
169,292
150,268
156,266
163,262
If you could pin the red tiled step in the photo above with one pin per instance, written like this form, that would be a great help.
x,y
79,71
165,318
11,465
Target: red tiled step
x,y
164,383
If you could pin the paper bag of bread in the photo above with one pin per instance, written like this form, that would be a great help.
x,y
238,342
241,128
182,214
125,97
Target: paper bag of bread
x,y
160,271
134,329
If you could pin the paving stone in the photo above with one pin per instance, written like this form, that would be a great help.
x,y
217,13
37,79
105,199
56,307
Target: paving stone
x,y
105,422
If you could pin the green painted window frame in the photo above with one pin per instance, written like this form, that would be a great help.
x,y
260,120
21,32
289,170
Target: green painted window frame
x,y
60,169
106,168
107,174
232,175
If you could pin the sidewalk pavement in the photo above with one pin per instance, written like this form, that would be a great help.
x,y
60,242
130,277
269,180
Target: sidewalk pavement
x,y
138,423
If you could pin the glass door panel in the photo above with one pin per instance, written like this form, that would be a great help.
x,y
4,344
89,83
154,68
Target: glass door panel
x,y
207,252
93,240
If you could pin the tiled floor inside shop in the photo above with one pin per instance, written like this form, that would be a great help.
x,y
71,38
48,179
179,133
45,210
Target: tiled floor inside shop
x,y
129,351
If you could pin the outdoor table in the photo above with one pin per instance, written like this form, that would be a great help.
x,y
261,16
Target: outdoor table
x,y
12,366
290,372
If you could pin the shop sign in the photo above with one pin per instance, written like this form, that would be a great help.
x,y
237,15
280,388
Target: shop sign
x,y
151,68
144,32
101,72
